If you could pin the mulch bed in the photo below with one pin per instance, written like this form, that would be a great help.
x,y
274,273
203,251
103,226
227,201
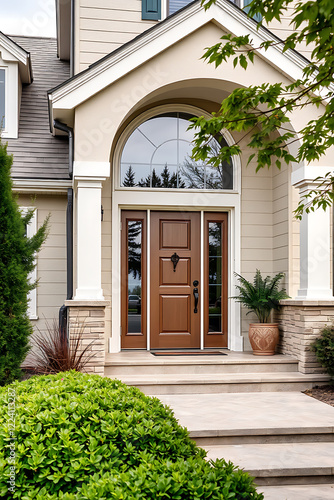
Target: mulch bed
x,y
324,393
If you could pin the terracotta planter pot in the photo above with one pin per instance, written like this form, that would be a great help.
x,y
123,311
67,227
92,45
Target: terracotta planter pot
x,y
263,338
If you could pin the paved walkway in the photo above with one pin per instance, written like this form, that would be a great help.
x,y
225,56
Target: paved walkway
x,y
250,412
278,435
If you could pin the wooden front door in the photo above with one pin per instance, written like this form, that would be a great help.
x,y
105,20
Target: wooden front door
x,y
175,268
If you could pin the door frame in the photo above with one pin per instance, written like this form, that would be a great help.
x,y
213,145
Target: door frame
x,y
123,200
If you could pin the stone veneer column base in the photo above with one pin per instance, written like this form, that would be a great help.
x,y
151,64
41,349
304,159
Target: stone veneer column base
x,y
300,322
89,317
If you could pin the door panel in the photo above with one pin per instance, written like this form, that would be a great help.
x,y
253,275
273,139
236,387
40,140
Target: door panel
x,y
175,314
173,320
174,234
169,277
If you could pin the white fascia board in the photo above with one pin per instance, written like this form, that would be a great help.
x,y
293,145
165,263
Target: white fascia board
x,y
164,35
11,52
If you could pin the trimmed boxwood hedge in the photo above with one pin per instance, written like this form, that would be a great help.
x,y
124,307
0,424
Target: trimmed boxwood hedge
x,y
80,436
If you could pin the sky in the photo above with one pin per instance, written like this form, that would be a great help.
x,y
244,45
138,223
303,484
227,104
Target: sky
x,y
28,17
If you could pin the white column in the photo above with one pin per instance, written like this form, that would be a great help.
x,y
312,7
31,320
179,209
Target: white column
x,y
88,218
315,253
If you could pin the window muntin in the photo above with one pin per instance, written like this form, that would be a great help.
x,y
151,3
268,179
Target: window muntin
x,y
158,155
2,98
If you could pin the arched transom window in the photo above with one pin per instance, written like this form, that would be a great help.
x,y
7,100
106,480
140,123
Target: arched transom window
x,y
158,155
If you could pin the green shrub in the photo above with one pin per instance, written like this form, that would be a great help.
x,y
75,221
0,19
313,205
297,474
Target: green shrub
x,y
323,347
80,436
17,260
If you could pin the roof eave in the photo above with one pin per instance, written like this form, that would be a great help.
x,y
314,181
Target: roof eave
x,y
164,29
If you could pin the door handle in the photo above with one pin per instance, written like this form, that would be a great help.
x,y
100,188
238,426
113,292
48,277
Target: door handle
x,y
195,292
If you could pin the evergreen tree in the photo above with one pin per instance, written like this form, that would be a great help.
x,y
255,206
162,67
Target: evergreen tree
x,y
129,179
17,253
156,181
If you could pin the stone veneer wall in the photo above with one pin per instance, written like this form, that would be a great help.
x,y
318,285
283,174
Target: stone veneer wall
x,y
300,322
89,317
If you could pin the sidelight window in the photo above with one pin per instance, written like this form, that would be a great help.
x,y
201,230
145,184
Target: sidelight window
x,y
216,265
134,236
215,276
133,278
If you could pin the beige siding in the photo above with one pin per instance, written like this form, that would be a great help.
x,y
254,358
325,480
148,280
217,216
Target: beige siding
x,y
284,28
51,260
264,225
105,25
294,247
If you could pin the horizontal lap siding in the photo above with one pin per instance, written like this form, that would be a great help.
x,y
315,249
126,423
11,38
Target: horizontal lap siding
x,y
283,29
51,260
256,227
105,25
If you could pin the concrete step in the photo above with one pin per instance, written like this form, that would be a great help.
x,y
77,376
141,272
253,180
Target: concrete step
x,y
297,492
250,418
284,439
205,383
281,463
127,363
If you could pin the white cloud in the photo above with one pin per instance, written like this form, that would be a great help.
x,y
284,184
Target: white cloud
x,y
28,18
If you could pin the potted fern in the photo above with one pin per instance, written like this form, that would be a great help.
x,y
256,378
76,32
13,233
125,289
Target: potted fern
x,y
262,297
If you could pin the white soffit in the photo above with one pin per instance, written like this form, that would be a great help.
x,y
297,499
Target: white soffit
x,y
63,18
165,34
12,52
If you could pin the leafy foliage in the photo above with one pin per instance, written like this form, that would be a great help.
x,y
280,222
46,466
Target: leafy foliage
x,y
262,112
323,347
81,436
262,296
57,353
17,253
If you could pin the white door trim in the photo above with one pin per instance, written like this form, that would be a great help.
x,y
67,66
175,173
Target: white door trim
x,y
180,201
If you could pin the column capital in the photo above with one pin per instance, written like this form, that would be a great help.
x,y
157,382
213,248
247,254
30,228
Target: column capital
x,y
91,169
304,176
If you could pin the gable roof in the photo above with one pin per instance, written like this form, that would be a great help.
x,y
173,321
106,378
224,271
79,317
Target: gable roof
x,y
12,51
36,153
70,94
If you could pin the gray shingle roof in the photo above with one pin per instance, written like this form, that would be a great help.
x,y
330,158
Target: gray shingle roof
x,y
37,154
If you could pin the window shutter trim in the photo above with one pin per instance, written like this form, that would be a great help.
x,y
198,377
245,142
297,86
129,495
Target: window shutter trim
x,y
151,10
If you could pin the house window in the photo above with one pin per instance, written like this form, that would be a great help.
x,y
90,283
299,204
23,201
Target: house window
x,y
175,5
154,10
2,99
158,155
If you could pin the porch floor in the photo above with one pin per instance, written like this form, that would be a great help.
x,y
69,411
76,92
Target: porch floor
x,y
146,357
